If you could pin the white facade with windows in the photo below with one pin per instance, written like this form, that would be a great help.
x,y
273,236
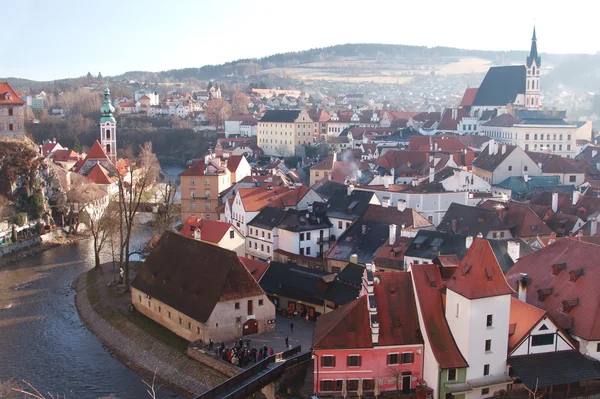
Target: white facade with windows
x,y
260,243
304,243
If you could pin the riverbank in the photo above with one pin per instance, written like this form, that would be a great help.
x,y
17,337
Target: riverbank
x,y
140,343
34,250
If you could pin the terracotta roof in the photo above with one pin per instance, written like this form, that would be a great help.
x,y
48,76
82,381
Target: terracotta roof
x,y
564,271
49,147
468,97
448,122
210,230
200,168
256,268
99,175
470,220
233,162
427,116
489,162
130,104
6,89
444,143
428,283
521,220
65,155
523,317
96,152
479,275
254,199
348,327
395,159
181,273
392,256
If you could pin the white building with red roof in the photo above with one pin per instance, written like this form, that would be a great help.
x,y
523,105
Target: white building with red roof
x,y
12,113
214,232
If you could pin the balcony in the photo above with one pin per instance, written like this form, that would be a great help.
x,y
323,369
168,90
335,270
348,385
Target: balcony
x,y
325,240
201,197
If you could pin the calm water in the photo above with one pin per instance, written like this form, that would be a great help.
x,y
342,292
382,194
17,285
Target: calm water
x,y
42,339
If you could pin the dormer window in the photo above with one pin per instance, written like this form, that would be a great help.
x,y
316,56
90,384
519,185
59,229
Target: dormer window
x,y
575,274
558,267
544,293
8,96
569,305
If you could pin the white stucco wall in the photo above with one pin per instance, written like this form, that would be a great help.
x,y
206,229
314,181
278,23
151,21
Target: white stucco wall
x,y
560,341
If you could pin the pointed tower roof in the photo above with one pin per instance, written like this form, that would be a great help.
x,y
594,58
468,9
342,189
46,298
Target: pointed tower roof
x,y
107,108
533,53
479,275
99,175
96,152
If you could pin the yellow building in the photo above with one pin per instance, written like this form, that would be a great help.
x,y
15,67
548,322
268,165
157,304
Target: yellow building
x,y
281,131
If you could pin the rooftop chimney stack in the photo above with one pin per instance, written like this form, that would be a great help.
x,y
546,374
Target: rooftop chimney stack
x,y
401,205
431,174
514,250
554,202
594,227
197,235
350,189
468,242
522,282
364,229
504,149
454,225
594,153
392,234
354,258
334,158
576,195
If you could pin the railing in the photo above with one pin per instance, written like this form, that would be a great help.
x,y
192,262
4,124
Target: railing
x,y
246,389
325,240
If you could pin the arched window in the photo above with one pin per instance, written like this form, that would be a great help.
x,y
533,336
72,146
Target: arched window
x,y
108,134
108,148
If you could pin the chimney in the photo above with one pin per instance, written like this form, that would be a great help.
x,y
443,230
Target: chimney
x,y
554,202
514,250
386,182
350,189
431,174
594,153
504,149
392,234
576,195
594,226
552,238
364,229
454,225
522,282
454,113
401,205
369,282
54,140
354,258
386,202
334,158
197,234
468,241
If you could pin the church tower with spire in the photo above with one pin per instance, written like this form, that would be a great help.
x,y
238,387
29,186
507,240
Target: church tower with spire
x,y
108,128
532,89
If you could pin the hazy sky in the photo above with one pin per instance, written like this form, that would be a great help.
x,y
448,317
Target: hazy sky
x,y
45,40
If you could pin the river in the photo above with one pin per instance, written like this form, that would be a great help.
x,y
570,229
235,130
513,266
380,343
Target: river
x,y
43,340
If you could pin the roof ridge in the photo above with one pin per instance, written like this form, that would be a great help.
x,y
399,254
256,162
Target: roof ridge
x,y
350,306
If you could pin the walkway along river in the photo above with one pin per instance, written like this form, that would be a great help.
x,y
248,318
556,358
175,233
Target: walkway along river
x,y
42,338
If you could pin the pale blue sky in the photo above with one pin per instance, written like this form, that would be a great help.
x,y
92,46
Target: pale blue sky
x,y
45,40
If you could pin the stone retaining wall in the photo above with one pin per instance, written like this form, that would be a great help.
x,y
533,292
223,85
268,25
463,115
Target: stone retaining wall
x,y
228,369
19,246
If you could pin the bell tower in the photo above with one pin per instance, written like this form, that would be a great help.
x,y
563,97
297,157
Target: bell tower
x,y
108,128
532,81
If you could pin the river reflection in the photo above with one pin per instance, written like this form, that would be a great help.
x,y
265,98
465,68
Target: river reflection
x,y
42,338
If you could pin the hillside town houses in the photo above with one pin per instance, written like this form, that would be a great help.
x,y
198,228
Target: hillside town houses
x,y
434,253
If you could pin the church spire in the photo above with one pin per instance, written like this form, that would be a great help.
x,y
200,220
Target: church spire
x,y
533,53
107,108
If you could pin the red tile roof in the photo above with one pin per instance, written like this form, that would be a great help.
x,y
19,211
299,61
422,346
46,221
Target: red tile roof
x,y
233,162
520,218
65,155
7,91
99,175
428,282
469,97
345,328
444,143
199,168
523,317
256,198
479,275
49,147
96,152
210,230
448,121
582,320
256,268
395,159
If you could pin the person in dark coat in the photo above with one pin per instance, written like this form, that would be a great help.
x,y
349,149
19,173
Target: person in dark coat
x,y
292,327
287,342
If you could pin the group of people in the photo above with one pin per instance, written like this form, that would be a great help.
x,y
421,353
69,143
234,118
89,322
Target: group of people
x,y
240,354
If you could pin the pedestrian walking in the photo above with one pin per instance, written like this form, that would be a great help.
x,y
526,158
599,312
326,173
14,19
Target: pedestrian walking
x,y
271,352
287,342
292,327
248,342
210,344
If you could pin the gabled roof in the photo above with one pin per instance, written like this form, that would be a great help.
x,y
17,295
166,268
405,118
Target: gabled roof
x,y
470,220
564,270
181,272
523,317
345,328
429,244
326,188
64,155
520,218
468,97
428,283
99,175
501,86
211,231
344,206
268,218
449,121
8,95
479,275
285,116
233,162
256,268
256,198
504,120
296,221
96,152
201,168
491,162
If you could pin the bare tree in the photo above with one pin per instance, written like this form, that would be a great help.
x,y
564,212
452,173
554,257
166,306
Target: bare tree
x,y
217,111
102,223
240,102
152,386
134,183
167,211
81,195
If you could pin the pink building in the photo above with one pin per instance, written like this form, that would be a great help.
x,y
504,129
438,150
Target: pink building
x,y
372,344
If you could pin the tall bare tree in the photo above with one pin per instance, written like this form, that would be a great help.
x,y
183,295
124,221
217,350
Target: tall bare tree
x,y
217,111
134,183
239,103
102,223
167,211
